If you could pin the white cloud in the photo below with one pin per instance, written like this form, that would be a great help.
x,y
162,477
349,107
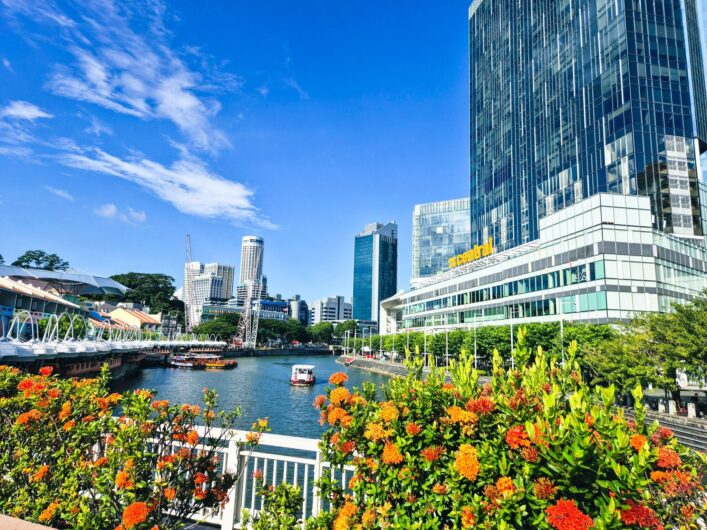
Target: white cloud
x,y
130,72
263,90
98,128
130,216
109,211
15,151
60,193
187,184
7,64
294,85
22,110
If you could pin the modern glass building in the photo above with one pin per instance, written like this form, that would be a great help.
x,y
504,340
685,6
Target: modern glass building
x,y
375,268
573,98
439,230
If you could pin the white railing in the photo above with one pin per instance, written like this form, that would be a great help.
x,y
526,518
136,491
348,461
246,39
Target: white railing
x,y
281,459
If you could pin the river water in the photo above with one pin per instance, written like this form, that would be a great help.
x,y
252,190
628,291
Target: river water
x,y
259,385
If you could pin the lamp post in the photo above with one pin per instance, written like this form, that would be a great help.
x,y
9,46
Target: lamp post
x,y
363,340
475,357
354,342
446,345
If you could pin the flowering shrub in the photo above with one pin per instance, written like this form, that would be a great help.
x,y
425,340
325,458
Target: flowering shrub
x,y
67,461
533,448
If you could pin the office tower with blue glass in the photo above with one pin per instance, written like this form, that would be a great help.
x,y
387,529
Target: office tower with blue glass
x,y
375,268
439,230
588,129
571,99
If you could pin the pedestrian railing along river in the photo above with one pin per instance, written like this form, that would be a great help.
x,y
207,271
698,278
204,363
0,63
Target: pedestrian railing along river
x,y
281,459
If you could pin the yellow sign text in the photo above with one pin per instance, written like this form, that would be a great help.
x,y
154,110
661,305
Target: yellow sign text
x,y
478,252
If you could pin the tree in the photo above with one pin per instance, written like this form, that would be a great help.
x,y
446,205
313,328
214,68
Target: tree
x,y
322,332
38,259
226,327
153,290
2,260
341,329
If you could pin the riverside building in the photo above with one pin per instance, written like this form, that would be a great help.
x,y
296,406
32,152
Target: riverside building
x,y
587,131
375,269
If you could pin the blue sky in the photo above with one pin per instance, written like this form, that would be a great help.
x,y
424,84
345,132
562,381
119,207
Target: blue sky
x,y
125,125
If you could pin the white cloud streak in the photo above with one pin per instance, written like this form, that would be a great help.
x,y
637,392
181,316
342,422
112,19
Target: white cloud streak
x,y
62,194
187,184
130,216
98,128
294,85
7,64
130,72
22,110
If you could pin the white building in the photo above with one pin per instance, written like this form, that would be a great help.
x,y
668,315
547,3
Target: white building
x,y
251,259
599,260
329,309
226,272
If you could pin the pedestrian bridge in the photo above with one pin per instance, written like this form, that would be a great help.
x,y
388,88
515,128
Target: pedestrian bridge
x,y
68,336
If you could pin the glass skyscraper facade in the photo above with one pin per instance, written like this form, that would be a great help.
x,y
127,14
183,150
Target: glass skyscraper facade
x,y
569,98
375,269
440,230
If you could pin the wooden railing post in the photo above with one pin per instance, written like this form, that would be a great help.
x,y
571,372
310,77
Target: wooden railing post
x,y
232,466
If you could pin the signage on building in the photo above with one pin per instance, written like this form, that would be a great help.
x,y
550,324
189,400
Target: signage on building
x,y
473,254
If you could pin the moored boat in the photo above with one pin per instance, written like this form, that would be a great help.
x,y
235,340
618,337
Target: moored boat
x,y
302,375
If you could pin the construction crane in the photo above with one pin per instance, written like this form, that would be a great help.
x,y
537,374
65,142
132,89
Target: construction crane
x,y
190,316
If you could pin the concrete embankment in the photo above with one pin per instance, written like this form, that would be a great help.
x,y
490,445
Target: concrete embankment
x,y
387,368
272,352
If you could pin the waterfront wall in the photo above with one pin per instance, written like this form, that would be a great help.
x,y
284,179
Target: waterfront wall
x,y
273,352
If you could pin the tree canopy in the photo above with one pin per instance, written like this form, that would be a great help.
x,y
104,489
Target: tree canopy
x,y
153,290
38,259
322,332
341,329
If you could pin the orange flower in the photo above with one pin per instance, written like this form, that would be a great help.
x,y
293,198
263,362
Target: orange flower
x,y
335,415
53,393
200,478
391,454
46,371
375,432
637,441
192,437
319,401
65,410
100,462
505,486
668,458
26,417
339,395
69,425
135,514
199,494
459,415
389,412
339,378
564,515
517,437
468,518
102,403
41,473
48,512
122,480
432,453
530,454
344,517
252,437
348,447
170,493
368,518
439,489
26,384
466,462
640,515
413,429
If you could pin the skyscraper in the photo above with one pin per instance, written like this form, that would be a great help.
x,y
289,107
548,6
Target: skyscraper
x,y
375,269
251,259
439,230
226,272
329,309
571,99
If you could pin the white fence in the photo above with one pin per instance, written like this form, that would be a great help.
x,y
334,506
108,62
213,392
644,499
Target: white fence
x,y
281,459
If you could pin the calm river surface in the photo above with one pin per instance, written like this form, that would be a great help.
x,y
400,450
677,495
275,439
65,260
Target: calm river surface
x,y
259,385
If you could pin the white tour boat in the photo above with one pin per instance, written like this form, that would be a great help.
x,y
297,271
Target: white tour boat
x,y
302,375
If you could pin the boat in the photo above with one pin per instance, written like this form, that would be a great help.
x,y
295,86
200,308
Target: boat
x,y
183,361
214,362
302,375
349,361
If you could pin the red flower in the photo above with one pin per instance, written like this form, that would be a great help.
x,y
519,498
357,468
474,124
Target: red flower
x,y
413,429
200,478
661,434
483,405
641,516
517,437
46,371
544,488
530,454
566,516
432,453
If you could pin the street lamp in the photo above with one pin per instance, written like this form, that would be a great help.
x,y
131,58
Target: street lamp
x,y
354,341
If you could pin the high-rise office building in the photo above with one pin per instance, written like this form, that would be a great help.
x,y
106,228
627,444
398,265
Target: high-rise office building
x,y
226,272
375,269
299,309
251,259
568,100
329,309
439,230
